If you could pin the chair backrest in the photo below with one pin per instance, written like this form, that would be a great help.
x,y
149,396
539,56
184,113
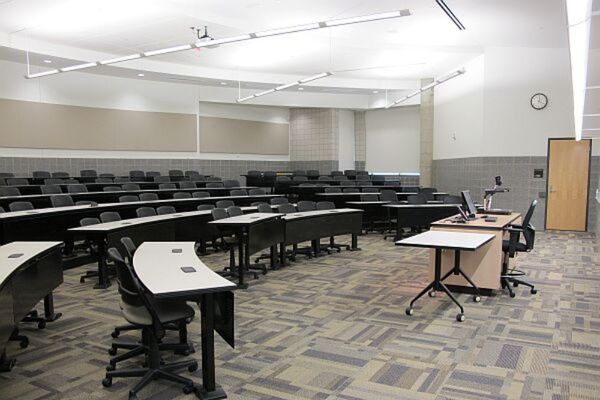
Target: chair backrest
x,y
325,205
182,195
300,178
61,200
351,190
234,211
369,197
161,179
148,196
312,173
130,186
41,174
176,172
145,212
2,209
364,183
192,174
121,179
136,173
257,192
286,208
51,189
367,189
86,203
205,207
336,173
53,181
201,195
9,191
219,213
17,182
340,178
187,185
350,173
388,195
279,200
264,208
166,186
306,205
164,210
528,228
129,287
214,184
238,192
452,199
428,192
128,198
283,179
106,175
89,221
77,188
129,246
103,180
362,173
6,174
333,189
112,188
214,179
152,174
225,203
110,216
60,174
229,183
90,173
324,178
417,199
20,206
254,173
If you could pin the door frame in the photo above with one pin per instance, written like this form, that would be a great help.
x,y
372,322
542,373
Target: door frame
x,y
587,204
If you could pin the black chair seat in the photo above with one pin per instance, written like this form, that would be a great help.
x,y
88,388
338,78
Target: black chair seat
x,y
519,247
166,311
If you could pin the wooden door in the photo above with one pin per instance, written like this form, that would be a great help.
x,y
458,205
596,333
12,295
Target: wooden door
x,y
568,184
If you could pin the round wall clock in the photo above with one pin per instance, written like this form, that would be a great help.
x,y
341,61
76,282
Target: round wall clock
x,y
539,101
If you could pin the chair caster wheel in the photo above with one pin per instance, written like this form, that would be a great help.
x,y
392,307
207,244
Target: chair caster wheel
x,y
82,280
460,317
476,299
533,291
24,343
107,382
193,367
189,389
132,396
431,293
512,295
515,284
112,351
41,324
409,311
110,367
115,334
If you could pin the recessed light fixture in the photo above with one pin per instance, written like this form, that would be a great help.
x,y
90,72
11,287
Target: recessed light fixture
x,y
300,88
141,75
224,83
48,61
375,91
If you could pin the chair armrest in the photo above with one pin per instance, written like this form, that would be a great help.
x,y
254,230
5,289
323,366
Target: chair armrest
x,y
515,236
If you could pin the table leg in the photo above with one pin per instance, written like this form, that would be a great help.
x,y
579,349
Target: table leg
x,y
49,313
273,257
210,390
282,254
103,279
6,364
354,243
241,257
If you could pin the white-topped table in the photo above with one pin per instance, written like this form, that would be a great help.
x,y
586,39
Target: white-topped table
x,y
446,240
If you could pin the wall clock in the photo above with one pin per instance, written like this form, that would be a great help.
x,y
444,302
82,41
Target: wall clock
x,y
539,101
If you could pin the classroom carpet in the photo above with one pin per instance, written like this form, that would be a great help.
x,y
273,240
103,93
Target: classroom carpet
x,y
334,327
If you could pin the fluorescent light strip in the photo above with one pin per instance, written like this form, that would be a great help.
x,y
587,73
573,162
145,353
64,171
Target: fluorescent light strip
x,y
120,59
40,74
257,35
427,87
78,67
450,14
287,86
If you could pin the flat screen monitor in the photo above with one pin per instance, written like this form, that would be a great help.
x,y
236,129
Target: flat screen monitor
x,y
466,195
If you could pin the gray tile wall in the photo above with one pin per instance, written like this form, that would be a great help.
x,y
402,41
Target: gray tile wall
x,y
314,134
477,174
360,139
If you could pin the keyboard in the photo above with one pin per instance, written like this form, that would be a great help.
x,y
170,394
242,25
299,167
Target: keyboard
x,y
498,211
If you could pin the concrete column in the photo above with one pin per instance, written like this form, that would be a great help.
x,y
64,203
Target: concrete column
x,y
426,114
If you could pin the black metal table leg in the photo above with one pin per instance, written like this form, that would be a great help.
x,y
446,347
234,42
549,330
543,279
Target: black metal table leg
x,y
210,390
282,254
103,279
241,261
354,243
6,364
49,313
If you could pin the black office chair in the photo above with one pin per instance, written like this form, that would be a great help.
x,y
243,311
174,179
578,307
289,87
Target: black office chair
x,y
53,181
164,210
128,198
299,178
137,175
417,199
110,216
264,208
279,200
312,173
152,174
86,203
324,178
214,185
6,191
366,189
333,190
351,190
337,173
106,175
120,179
61,200
369,197
77,188
103,180
231,183
62,175
17,182
205,207
238,192
330,205
428,192
350,173
148,196
2,210
165,186
451,199
89,247
153,317
282,184
41,174
193,175
112,189
130,186
257,192
200,195
187,185
20,206
214,179
388,195
286,208
145,212
340,178
177,173
306,205
161,179
513,246
392,197
88,173
234,211
364,183
224,204
182,195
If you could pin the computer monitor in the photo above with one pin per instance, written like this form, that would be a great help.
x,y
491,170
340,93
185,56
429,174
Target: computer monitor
x,y
466,195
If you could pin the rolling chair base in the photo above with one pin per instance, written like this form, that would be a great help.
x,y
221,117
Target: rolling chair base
x,y
506,281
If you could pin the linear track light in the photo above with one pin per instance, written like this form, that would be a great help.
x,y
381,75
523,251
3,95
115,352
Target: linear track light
x,y
427,87
78,67
45,73
256,35
120,59
286,86
450,14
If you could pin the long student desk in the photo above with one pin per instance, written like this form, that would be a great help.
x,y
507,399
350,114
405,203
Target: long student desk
x,y
409,215
314,189
92,179
99,187
340,199
52,223
29,272
484,266
43,200
159,267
